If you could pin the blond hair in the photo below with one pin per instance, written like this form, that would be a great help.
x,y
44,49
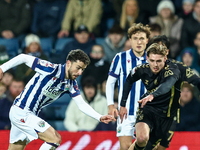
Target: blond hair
x,y
156,48
123,18
139,27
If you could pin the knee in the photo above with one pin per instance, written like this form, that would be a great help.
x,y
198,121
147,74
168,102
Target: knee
x,y
142,139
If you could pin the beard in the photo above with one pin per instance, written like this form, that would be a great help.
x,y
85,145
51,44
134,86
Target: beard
x,y
70,74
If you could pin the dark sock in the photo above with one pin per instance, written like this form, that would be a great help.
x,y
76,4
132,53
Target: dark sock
x,y
136,147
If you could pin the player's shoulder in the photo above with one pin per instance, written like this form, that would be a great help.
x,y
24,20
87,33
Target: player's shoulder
x,y
142,66
177,63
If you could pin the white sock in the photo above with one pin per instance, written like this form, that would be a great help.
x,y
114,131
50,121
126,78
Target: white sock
x,y
46,146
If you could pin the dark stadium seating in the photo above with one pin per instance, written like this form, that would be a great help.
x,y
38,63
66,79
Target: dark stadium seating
x,y
12,46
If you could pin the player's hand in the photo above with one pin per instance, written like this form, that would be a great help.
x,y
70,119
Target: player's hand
x,y
143,101
1,74
122,113
113,111
106,119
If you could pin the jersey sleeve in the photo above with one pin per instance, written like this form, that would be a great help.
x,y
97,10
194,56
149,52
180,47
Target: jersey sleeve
x,y
20,59
189,76
115,66
85,108
74,90
45,67
170,76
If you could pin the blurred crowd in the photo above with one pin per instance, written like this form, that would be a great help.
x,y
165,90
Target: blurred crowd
x,y
49,29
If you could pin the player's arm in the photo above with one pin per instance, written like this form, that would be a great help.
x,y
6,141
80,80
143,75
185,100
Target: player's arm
x,y
114,72
163,88
132,77
20,59
110,86
88,110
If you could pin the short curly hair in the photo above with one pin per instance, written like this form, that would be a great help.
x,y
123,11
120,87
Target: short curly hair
x,y
139,27
78,54
156,48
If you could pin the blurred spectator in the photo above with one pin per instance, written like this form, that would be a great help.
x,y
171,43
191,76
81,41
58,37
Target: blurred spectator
x,y
47,17
155,30
8,77
147,9
114,42
189,110
4,57
15,88
187,8
117,5
127,45
98,67
87,12
197,45
82,41
15,16
170,25
33,48
129,15
188,59
5,105
191,26
75,120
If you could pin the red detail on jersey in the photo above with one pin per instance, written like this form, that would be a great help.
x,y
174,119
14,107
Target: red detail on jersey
x,y
76,87
51,65
54,78
22,120
128,61
46,64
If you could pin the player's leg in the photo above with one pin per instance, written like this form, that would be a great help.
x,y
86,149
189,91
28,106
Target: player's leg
x,y
142,135
125,131
132,146
19,145
125,142
51,137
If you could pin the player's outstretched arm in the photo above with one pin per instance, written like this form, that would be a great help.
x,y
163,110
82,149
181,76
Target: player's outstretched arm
x,y
107,118
88,110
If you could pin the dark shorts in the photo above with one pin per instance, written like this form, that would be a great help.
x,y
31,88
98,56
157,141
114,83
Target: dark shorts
x,y
159,127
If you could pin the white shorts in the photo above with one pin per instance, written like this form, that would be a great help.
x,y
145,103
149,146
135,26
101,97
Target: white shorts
x,y
25,125
127,127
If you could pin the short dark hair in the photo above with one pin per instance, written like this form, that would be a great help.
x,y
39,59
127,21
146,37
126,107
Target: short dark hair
x,y
139,27
116,29
89,81
78,54
160,38
155,27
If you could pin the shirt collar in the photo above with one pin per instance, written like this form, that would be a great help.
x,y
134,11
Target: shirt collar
x,y
140,58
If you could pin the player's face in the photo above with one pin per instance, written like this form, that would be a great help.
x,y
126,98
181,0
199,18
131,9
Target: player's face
x,y
156,62
74,69
139,41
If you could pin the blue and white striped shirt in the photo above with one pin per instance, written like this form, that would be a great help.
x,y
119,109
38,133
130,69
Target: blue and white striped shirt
x,y
47,85
120,68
